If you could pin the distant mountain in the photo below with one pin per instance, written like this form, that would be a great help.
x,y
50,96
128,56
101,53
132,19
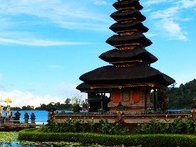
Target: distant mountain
x,y
182,96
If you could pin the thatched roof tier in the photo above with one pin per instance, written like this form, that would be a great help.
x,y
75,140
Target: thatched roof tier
x,y
139,53
124,75
107,88
130,61
96,87
84,87
119,27
127,15
135,38
127,4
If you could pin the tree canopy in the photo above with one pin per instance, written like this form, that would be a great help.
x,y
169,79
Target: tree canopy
x,y
182,97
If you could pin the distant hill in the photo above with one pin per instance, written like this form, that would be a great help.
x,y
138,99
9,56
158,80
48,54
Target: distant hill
x,y
182,96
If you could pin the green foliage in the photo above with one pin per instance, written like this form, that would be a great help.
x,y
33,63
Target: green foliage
x,y
153,127
8,136
71,125
52,127
107,128
60,106
182,96
91,126
76,107
178,126
67,101
150,140
15,108
183,126
28,107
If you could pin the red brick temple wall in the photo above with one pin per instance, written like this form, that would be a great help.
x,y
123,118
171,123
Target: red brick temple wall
x,y
132,99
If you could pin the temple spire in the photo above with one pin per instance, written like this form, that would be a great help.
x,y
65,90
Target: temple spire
x,y
129,73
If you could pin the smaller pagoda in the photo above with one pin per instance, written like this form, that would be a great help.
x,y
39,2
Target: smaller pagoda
x,y
127,82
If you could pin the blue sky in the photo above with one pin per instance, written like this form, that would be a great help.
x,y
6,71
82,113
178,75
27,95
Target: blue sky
x,y
46,45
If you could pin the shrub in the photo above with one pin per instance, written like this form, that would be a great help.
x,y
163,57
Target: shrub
x,y
71,125
149,140
178,126
107,128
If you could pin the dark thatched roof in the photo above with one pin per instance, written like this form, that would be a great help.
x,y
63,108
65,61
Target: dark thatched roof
x,y
137,37
126,75
129,18
127,26
83,87
128,3
127,55
128,14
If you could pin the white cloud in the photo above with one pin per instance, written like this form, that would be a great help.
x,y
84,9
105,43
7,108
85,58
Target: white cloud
x,y
99,2
22,98
68,89
168,13
168,21
146,10
38,42
149,35
56,11
172,29
169,17
152,2
62,91
187,3
16,17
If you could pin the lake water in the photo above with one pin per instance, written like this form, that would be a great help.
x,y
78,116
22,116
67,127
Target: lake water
x,y
17,144
41,116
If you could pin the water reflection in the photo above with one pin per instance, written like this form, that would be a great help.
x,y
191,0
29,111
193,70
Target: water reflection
x,y
17,144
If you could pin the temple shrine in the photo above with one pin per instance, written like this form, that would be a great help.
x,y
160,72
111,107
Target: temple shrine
x,y
128,82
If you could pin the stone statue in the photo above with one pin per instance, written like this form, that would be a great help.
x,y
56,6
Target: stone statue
x,y
32,117
26,117
1,110
17,116
8,111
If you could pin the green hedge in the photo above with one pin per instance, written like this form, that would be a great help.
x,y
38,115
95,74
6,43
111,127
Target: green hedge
x,y
147,140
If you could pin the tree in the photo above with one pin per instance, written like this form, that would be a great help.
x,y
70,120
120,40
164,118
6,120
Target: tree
x,y
28,107
67,101
76,100
76,107
182,97
42,107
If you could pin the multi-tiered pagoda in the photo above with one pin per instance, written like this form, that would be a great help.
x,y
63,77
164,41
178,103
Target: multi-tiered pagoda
x,y
129,79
